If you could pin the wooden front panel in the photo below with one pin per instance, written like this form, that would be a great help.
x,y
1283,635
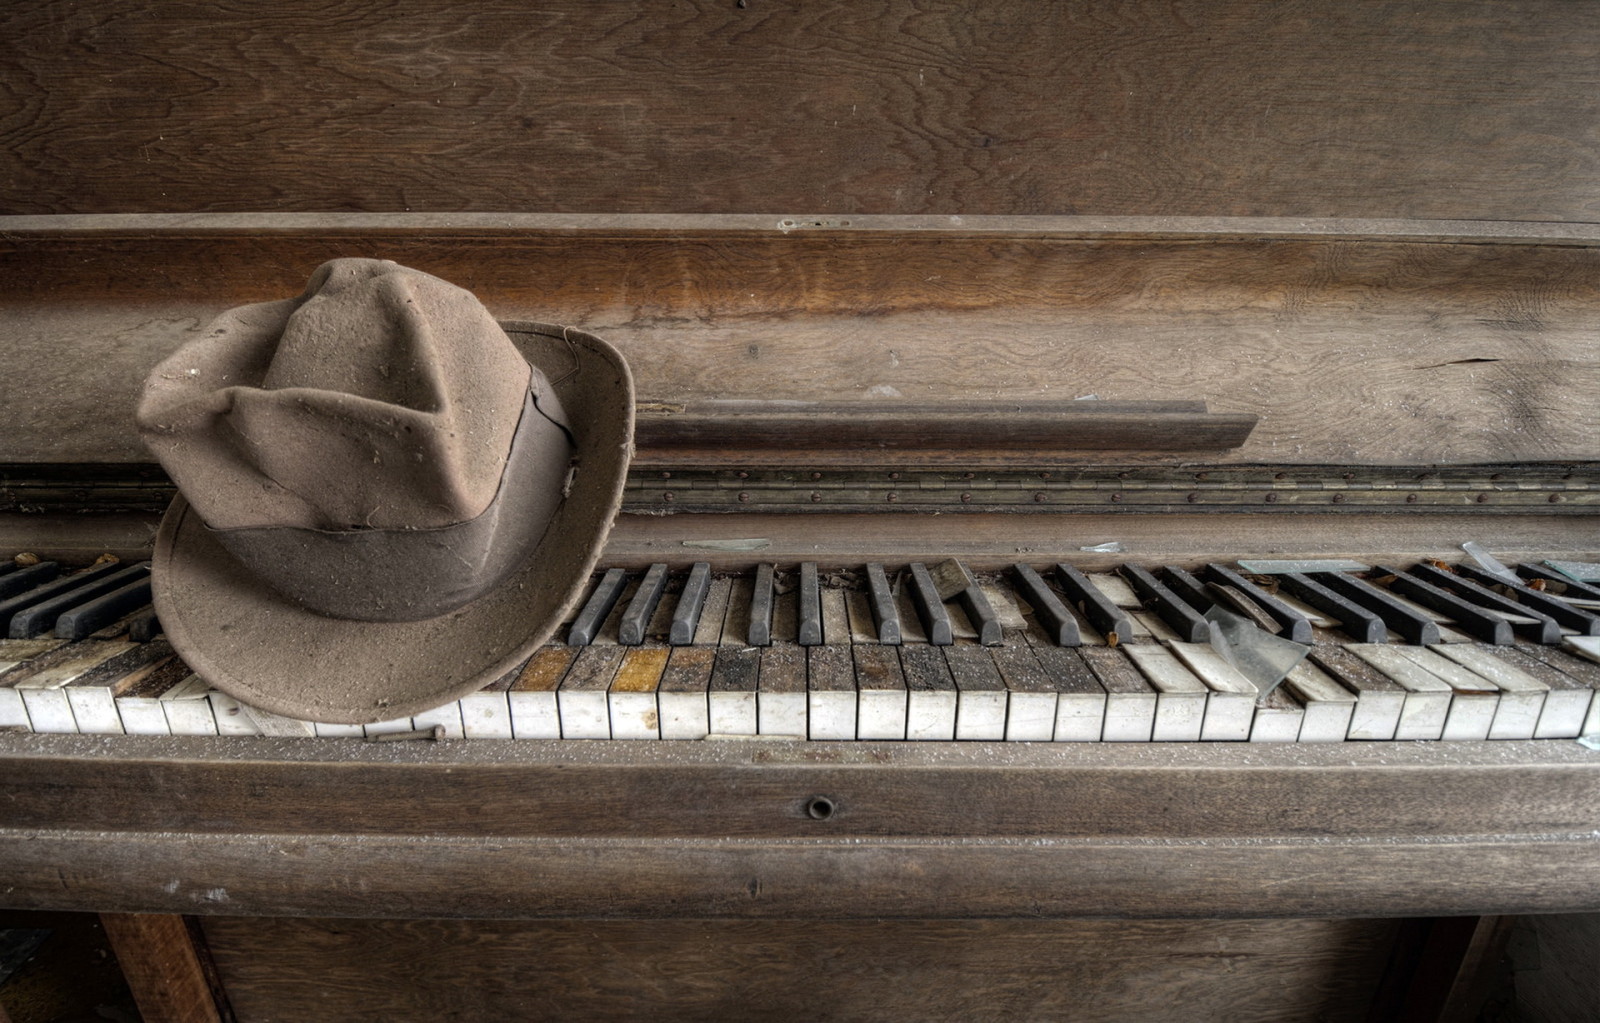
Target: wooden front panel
x,y
1313,108
1277,970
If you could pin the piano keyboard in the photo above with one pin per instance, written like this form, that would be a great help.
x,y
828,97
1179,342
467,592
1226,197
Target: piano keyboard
x,y
920,652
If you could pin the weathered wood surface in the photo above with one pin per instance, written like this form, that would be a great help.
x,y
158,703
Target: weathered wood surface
x,y
1313,108
160,961
1266,970
306,827
1350,352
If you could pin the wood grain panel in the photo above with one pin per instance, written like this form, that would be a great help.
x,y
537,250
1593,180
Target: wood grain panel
x,y
1382,352
721,969
164,971
1310,108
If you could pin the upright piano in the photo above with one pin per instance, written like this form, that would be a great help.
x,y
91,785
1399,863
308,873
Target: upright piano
x,y
894,695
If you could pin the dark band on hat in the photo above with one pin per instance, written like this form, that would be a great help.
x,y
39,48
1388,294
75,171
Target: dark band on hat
x,y
406,575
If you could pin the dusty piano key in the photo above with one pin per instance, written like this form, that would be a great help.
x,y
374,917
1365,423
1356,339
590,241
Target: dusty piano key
x,y
1278,718
1181,697
139,705
1328,706
1566,701
46,591
597,608
1379,699
691,601
632,700
20,580
732,692
1031,700
144,628
885,612
187,709
1583,671
863,629
532,695
1525,621
930,607
881,694
1355,621
636,619
1292,623
93,697
389,726
831,692
42,615
681,697
781,694
84,619
1477,621
446,716
1414,627
1179,616
930,693
759,630
583,696
268,723
486,714
708,631
808,627
1100,610
1188,589
1475,699
1130,700
1231,706
980,692
954,581
1049,612
43,686
15,656
1565,615
1522,696
1558,584
1080,698
322,729
1427,702
232,719
835,617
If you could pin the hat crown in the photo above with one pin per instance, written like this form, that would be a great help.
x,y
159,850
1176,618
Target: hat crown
x,y
381,398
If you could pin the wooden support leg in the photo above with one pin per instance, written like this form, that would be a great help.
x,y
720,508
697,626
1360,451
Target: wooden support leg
x,y
163,967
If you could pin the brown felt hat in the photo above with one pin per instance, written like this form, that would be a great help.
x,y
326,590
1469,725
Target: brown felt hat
x,y
387,499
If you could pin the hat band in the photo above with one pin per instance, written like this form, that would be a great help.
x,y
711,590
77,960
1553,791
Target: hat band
x,y
407,575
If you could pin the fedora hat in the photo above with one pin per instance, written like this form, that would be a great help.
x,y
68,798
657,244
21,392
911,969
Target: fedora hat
x,y
387,499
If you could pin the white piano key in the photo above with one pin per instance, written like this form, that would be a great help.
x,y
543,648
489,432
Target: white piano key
x,y
1567,702
1148,626
1080,717
1327,706
1115,588
634,715
231,718
708,630
835,618
446,716
288,727
781,714
1130,699
331,730
143,715
981,715
880,692
1522,697
733,713
187,709
1279,719
94,708
1427,699
1030,717
486,714
585,714
389,727
532,696
831,689
48,710
1230,710
1475,700
781,693
931,715
681,694
1181,699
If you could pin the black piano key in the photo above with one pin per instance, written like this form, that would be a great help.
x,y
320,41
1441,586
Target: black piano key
x,y
597,608
22,579
636,619
1179,616
980,613
808,627
144,628
1101,611
7,567
1569,587
1544,628
1355,621
1295,625
884,611
1052,615
1481,624
760,632
78,622
1413,627
1564,613
686,616
935,619
40,615
1187,588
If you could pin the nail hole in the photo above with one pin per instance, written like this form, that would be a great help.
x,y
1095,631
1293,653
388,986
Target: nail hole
x,y
819,808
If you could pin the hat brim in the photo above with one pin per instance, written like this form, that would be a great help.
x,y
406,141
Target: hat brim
x,y
253,644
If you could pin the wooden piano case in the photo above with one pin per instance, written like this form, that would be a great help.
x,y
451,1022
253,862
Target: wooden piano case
x,y
1339,312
